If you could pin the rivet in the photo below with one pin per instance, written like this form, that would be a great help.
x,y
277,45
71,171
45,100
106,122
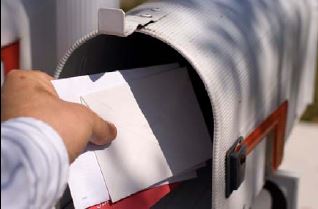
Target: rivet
x,y
146,15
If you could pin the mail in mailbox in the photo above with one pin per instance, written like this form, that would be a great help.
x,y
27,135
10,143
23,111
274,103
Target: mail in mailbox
x,y
161,130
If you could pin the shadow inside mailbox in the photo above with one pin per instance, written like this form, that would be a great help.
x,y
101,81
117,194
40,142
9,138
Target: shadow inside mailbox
x,y
168,101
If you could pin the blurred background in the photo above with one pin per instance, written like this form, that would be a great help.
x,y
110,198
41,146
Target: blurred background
x,y
311,114
300,153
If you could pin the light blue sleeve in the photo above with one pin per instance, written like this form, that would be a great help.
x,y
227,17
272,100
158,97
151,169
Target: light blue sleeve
x,y
34,164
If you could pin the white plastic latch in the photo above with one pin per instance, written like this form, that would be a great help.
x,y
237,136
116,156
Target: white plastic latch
x,y
116,22
111,22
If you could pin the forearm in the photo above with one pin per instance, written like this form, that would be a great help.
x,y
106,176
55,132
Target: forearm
x,y
34,164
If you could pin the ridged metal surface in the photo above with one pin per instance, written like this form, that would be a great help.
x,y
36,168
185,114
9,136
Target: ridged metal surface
x,y
251,56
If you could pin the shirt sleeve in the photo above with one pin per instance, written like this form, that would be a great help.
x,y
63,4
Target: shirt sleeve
x,y
34,164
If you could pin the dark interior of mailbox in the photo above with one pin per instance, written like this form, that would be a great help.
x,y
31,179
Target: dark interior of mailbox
x,y
106,53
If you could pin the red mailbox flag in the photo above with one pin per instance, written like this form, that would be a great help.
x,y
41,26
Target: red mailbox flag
x,y
10,56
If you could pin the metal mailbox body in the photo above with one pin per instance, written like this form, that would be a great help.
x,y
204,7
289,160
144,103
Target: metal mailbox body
x,y
251,55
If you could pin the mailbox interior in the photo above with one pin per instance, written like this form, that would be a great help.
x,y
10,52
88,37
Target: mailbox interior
x,y
106,53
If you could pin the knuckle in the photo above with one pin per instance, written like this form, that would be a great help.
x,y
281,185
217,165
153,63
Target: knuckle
x,y
14,73
44,75
40,73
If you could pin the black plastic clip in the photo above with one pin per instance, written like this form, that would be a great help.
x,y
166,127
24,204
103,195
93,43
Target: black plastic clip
x,y
235,166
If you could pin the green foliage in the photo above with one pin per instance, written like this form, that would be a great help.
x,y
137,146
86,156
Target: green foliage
x,y
129,4
311,114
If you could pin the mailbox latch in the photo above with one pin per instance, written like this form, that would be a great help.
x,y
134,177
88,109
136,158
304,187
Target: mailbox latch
x,y
235,166
115,22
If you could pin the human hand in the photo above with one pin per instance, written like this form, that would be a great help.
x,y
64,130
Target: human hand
x,y
31,94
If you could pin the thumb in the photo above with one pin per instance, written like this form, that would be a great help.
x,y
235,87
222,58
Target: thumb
x,y
103,132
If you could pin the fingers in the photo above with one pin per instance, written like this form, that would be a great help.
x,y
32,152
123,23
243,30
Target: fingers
x,y
22,74
43,75
103,131
44,79
34,78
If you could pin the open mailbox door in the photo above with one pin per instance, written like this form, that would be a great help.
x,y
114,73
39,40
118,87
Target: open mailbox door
x,y
252,65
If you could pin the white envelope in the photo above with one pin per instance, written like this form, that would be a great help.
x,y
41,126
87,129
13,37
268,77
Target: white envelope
x,y
139,158
86,181
134,161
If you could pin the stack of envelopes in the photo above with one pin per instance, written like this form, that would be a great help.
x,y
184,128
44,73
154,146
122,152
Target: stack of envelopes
x,y
162,136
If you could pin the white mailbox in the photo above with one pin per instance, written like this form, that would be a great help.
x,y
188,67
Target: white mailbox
x,y
252,64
